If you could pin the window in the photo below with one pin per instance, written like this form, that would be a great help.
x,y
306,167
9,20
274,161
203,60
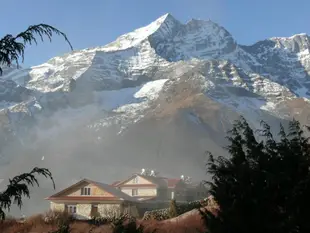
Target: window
x,y
85,191
71,209
135,180
135,192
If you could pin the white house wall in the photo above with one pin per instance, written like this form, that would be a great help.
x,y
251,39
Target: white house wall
x,y
142,192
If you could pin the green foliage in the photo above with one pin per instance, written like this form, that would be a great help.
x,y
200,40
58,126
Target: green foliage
x,y
95,215
131,227
173,212
183,208
63,221
125,224
99,220
113,220
262,186
18,187
163,214
12,49
118,222
63,228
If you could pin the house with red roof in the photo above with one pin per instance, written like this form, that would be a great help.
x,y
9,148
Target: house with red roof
x,y
148,188
135,194
88,198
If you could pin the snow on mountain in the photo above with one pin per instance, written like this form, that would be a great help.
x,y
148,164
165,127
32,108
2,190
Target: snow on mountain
x,y
155,95
274,69
161,28
197,39
151,89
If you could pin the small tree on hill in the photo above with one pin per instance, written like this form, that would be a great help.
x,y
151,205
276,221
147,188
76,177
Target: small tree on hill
x,y
173,211
18,187
263,186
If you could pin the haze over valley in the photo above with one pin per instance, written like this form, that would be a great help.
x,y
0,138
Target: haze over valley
x,y
156,97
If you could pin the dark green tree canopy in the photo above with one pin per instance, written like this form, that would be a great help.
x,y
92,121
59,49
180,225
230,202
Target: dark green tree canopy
x,y
12,47
263,186
18,187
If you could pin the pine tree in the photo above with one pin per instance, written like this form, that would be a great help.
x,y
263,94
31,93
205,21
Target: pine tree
x,y
262,186
18,187
12,47
11,50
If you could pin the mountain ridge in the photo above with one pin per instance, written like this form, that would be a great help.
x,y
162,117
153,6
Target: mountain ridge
x,y
103,68
157,97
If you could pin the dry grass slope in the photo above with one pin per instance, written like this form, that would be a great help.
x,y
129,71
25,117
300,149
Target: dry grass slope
x,y
49,222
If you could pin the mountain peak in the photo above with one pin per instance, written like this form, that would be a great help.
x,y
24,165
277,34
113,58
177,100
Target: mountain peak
x,y
131,39
165,17
299,35
296,43
166,20
168,26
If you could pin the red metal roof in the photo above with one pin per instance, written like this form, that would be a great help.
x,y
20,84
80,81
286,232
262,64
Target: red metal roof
x,y
138,185
173,182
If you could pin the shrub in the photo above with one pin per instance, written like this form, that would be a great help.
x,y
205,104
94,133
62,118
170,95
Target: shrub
x,y
173,212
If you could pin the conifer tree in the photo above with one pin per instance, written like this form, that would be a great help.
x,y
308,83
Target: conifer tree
x,y
18,187
12,47
262,186
11,50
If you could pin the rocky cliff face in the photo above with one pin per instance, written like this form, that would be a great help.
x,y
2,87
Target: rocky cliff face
x,y
157,97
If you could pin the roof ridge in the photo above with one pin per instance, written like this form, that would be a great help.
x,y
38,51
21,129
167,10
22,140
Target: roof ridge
x,y
106,187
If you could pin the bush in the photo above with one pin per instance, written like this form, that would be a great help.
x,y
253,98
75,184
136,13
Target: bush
x,y
173,212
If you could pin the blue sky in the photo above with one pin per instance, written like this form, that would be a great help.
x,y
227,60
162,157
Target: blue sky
x,y
96,22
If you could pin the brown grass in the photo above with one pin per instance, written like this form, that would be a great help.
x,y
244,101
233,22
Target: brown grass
x,y
38,226
190,222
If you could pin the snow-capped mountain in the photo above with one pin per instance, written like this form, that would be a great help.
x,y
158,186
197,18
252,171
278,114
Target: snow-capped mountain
x,y
157,97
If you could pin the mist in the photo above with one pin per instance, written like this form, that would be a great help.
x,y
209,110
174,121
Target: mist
x,y
77,133
72,151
